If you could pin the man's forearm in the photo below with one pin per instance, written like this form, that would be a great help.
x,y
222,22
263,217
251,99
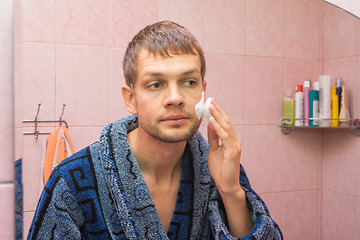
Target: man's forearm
x,y
237,212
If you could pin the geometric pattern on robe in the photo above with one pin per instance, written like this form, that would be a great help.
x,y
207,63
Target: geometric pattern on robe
x,y
100,193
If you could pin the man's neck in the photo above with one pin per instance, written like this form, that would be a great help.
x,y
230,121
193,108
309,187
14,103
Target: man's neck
x,y
160,160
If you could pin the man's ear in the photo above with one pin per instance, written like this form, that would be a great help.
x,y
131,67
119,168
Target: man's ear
x,y
204,85
129,99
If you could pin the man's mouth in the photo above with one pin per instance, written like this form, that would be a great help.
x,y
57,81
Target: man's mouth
x,y
175,119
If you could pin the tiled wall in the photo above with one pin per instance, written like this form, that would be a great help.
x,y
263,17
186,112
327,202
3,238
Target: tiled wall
x,y
7,193
71,51
341,150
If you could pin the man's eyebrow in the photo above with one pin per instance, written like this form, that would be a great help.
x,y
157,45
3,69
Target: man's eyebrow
x,y
190,72
160,74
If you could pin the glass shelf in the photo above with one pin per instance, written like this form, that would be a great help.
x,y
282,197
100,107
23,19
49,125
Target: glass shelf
x,y
354,125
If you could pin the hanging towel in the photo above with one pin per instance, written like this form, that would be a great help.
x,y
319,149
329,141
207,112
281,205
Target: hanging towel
x,y
58,147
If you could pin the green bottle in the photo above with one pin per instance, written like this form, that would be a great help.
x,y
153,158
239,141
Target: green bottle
x,y
289,108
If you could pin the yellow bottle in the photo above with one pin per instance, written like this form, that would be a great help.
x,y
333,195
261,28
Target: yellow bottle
x,y
334,107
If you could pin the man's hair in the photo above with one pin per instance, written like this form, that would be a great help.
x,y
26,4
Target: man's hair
x,y
165,38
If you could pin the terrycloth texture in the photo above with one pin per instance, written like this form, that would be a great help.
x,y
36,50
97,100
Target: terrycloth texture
x,y
58,147
99,193
18,200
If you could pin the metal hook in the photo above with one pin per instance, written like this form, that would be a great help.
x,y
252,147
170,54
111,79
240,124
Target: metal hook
x,y
62,113
36,131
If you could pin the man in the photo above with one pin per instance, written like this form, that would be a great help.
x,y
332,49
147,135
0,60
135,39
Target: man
x,y
151,175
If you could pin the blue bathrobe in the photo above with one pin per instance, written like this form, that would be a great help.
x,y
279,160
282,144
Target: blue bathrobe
x,y
100,193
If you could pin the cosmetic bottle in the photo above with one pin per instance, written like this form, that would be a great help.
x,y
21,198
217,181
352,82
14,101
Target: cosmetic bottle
x,y
306,102
325,101
314,105
334,107
299,106
344,109
289,108
339,90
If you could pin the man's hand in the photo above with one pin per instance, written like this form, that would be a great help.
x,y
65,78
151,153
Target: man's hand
x,y
224,166
224,158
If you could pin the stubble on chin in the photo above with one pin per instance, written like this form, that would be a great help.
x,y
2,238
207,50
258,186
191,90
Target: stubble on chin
x,y
164,136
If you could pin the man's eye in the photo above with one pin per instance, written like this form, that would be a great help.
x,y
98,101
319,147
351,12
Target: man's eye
x,y
155,86
190,83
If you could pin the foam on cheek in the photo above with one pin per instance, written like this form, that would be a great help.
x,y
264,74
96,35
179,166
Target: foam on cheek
x,y
202,107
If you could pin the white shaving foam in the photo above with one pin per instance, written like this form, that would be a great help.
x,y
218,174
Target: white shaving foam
x,y
202,108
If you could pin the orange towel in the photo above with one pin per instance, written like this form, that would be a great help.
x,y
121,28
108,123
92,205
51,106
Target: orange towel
x,y
58,147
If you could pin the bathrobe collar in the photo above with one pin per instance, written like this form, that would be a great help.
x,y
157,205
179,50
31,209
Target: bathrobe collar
x,y
131,196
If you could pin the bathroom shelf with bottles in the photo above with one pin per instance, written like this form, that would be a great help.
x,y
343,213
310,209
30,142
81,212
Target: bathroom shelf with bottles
x,y
286,129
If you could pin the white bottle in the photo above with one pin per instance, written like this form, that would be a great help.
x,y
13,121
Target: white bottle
x,y
299,106
325,101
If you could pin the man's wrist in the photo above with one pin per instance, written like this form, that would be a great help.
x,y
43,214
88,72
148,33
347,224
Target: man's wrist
x,y
236,195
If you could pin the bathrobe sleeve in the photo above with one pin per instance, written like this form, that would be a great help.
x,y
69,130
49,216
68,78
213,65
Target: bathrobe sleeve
x,y
264,225
58,215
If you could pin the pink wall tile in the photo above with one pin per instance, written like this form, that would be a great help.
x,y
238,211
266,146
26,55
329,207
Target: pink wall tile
x,y
38,81
274,203
6,147
129,17
82,82
319,212
189,13
38,21
18,15
19,143
357,157
299,70
357,93
302,156
224,26
357,41
84,22
6,93
27,219
339,32
338,221
346,69
18,85
117,80
300,212
265,28
302,28
263,157
7,216
81,137
226,84
357,218
322,33
263,90
339,161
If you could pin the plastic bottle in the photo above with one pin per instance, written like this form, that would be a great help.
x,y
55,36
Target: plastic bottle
x,y
325,101
339,90
299,106
334,107
314,105
289,108
344,110
306,102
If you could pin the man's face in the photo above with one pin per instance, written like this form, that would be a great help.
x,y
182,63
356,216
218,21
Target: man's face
x,y
165,94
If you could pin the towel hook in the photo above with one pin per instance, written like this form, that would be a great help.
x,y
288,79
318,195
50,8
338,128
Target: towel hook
x,y
62,113
36,121
36,131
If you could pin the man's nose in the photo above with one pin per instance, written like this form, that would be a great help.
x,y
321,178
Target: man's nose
x,y
173,96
